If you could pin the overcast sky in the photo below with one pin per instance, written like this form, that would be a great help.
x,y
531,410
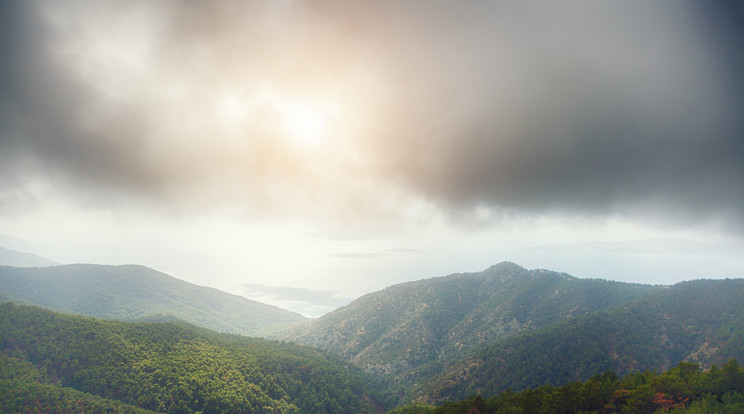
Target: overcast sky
x,y
304,153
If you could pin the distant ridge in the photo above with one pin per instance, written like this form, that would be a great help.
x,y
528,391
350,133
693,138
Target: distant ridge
x,y
10,257
134,292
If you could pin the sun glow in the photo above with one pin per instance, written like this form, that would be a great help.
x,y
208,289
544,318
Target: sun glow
x,y
301,122
306,124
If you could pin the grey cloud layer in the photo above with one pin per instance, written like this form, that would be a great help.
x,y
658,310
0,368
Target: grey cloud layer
x,y
45,130
576,107
583,109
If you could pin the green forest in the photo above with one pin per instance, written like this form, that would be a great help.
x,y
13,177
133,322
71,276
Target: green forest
x,y
700,321
50,362
673,349
684,389
56,363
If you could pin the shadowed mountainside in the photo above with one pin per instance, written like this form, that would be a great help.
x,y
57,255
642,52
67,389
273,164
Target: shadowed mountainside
x,y
407,332
699,321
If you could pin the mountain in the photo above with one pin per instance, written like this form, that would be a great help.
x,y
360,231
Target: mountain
x,y
699,321
167,367
22,259
408,332
491,333
131,293
684,389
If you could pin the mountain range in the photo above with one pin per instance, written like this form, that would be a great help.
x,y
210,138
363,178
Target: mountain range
x,y
410,331
432,340
10,257
511,328
137,293
699,321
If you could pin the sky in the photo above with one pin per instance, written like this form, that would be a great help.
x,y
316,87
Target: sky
x,y
304,153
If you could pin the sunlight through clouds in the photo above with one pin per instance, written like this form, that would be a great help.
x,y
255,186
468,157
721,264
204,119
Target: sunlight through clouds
x,y
198,130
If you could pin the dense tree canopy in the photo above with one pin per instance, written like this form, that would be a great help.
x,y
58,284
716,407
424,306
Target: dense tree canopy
x,y
176,367
684,389
700,321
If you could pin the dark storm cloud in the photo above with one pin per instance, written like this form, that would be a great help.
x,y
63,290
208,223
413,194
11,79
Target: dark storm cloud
x,y
574,107
42,111
648,247
578,107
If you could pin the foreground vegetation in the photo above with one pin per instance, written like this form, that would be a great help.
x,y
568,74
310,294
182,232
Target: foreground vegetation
x,y
47,357
684,389
21,397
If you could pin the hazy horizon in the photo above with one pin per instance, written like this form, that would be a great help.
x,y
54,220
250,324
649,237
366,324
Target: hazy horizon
x,y
304,153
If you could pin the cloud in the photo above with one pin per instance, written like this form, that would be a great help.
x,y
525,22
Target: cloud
x,y
55,124
595,109
666,246
377,254
580,108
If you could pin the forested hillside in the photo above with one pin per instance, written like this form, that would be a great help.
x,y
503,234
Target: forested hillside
x,y
684,389
169,367
408,332
699,321
32,397
535,333
130,293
